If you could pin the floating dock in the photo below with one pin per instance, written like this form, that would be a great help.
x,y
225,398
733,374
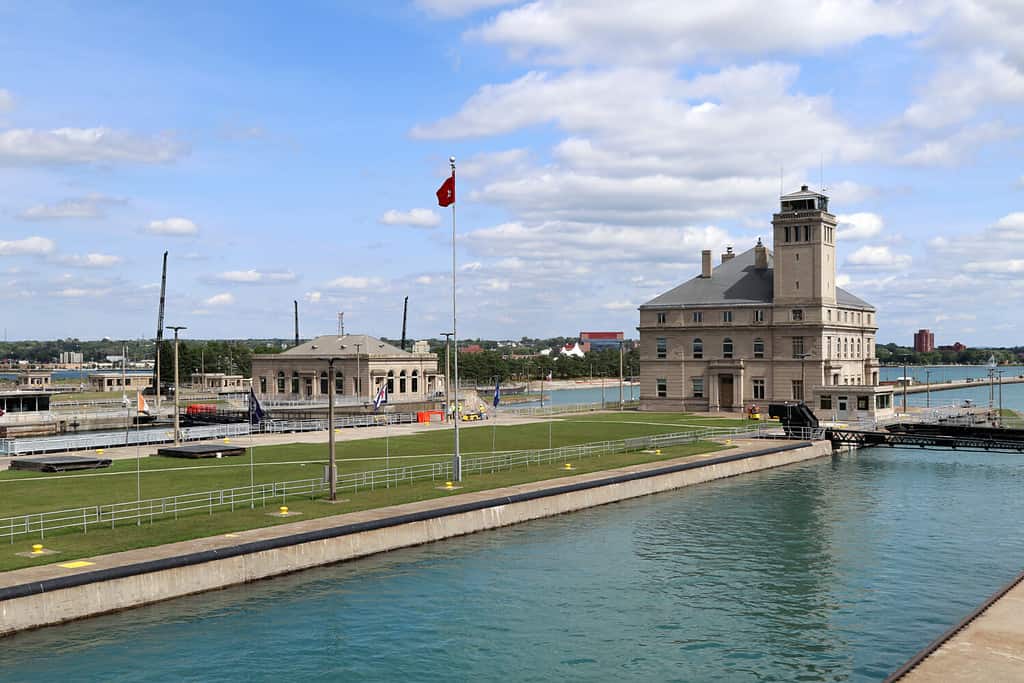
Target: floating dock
x,y
59,463
201,450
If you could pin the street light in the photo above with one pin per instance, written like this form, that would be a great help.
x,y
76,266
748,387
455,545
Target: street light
x,y
621,342
928,388
177,416
332,474
447,370
803,375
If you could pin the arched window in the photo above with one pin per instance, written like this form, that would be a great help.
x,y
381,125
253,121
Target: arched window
x,y
391,381
415,381
727,347
339,383
698,348
280,381
324,385
295,382
759,348
401,382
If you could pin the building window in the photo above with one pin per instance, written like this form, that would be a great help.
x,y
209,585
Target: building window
x,y
862,403
698,387
826,402
869,318
662,347
726,316
829,314
391,382
415,381
807,233
759,348
324,384
295,382
280,382
662,318
263,385
698,348
401,382
787,233
339,383
798,347
662,387
883,400
758,388
798,390
828,347
759,315
698,316
798,314
727,347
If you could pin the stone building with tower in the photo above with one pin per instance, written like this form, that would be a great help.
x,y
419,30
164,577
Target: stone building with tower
x,y
766,326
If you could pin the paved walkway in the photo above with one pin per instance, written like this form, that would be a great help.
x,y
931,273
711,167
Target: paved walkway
x,y
990,648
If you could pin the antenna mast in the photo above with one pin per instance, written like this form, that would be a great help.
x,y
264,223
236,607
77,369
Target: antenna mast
x,y
296,302
341,323
405,314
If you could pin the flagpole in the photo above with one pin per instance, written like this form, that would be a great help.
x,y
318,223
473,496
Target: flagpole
x,y
138,457
457,459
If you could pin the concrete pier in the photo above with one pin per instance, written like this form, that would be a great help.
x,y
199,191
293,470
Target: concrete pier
x,y
55,593
987,646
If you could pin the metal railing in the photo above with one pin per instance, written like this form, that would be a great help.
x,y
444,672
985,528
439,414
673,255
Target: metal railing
x,y
86,441
248,497
377,419
538,411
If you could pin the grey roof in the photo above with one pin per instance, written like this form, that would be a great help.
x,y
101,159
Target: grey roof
x,y
802,193
333,345
737,281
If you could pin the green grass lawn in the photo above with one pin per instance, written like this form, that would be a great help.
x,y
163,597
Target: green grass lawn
x,y
28,492
198,524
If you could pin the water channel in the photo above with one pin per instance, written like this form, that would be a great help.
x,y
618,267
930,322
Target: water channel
x,y
838,569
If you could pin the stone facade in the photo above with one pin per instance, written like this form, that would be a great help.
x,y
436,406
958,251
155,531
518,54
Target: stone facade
x,y
765,327
362,364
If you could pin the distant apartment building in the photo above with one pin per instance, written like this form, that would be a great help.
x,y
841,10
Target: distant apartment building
x,y
955,346
924,341
71,358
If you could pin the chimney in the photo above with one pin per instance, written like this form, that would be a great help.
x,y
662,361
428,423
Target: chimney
x,y
803,188
705,263
760,256
728,255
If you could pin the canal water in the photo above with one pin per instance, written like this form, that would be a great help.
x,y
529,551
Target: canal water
x,y
834,570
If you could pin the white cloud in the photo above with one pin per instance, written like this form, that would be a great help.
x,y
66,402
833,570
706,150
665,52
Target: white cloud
x,y
34,246
859,226
1010,226
351,282
256,277
497,284
952,149
600,31
89,206
880,257
488,164
6,100
177,227
313,297
619,306
999,267
91,260
424,280
225,299
85,146
81,292
471,266
417,218
958,90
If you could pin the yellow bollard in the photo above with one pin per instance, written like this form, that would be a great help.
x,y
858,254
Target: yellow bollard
x,y
284,509
728,442
37,548
567,466
448,484
657,451
227,440
99,451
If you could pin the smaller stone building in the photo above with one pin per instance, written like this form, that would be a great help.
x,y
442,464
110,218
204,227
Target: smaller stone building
x,y
113,381
219,381
362,363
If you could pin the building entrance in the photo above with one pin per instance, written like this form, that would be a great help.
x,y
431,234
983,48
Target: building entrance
x,y
725,398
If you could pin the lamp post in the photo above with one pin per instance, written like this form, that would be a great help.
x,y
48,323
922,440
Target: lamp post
x,y
177,416
332,474
928,388
447,371
359,377
803,375
621,342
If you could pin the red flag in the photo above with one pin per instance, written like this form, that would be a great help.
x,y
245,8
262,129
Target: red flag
x,y
446,195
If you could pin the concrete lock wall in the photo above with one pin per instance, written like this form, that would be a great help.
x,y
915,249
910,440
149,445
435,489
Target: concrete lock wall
x,y
30,606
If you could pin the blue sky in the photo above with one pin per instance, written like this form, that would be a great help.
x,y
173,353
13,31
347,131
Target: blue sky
x,y
292,152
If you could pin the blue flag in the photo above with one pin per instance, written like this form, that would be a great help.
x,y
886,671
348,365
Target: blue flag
x,y
382,396
255,409
497,393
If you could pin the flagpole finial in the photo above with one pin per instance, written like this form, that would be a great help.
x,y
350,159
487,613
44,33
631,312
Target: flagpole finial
x,y
451,160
